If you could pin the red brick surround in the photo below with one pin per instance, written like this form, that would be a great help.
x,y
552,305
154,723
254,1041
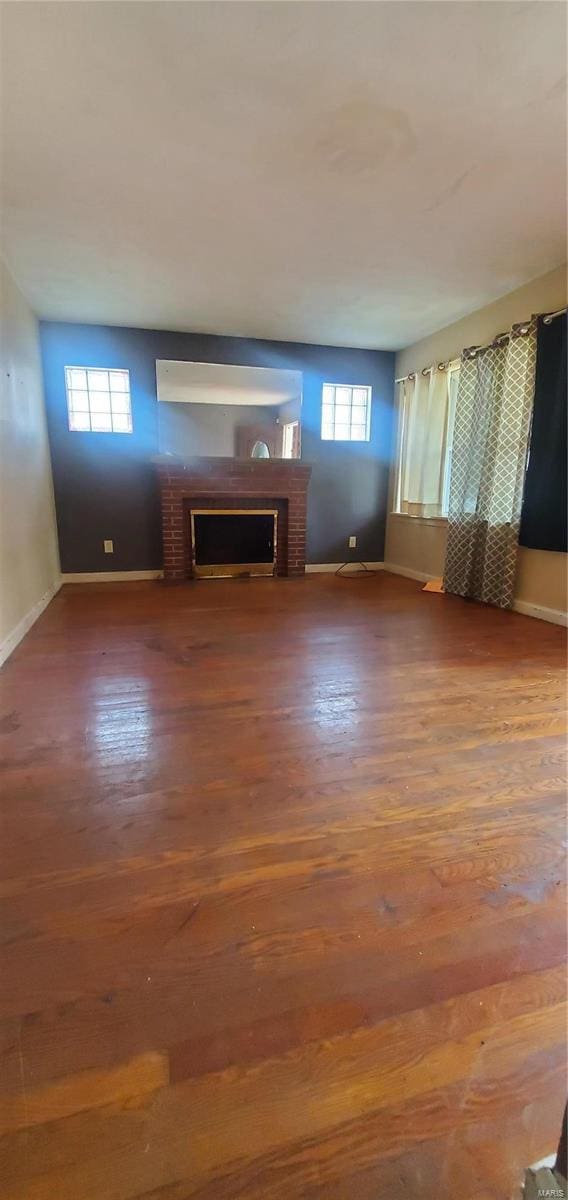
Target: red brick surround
x,y
188,483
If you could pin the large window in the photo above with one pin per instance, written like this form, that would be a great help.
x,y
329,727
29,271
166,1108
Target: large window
x,y
98,400
345,413
426,407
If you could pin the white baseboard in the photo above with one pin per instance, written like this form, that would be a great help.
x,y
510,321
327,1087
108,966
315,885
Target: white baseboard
x,y
330,568
14,638
408,572
554,615
110,576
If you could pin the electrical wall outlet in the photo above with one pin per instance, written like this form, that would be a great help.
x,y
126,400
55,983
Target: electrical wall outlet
x,y
352,542
109,546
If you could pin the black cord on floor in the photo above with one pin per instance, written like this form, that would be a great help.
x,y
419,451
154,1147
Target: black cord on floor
x,y
351,574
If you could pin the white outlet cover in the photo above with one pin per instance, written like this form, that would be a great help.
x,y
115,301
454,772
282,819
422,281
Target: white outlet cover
x,y
109,546
352,542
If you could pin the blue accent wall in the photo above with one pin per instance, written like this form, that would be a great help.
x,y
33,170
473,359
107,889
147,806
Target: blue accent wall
x,y
105,484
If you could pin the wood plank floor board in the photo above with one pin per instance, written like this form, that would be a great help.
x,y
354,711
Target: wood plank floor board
x,y
282,894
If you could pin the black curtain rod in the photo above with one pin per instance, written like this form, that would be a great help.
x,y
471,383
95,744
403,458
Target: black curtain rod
x,y
521,327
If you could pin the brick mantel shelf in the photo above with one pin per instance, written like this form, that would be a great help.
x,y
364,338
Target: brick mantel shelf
x,y
238,482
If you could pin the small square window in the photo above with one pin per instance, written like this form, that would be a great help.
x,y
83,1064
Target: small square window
x,y
98,400
121,422
78,401
79,421
101,422
120,402
345,413
77,379
97,380
119,381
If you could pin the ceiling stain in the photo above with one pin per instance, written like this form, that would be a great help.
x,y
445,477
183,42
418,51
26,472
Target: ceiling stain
x,y
450,191
361,137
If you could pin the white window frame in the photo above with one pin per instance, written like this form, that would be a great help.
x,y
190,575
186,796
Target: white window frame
x,y
331,402
88,401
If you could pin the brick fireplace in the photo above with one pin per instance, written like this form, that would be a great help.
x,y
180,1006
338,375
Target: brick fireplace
x,y
225,483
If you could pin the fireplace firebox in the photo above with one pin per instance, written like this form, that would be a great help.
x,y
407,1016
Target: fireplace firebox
x,y
233,541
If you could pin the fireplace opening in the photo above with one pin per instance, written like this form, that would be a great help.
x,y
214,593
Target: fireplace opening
x,y
233,541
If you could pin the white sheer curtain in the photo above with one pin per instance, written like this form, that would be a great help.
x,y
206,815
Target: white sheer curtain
x,y
424,426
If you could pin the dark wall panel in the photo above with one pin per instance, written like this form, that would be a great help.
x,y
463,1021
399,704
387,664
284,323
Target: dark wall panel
x,y
105,485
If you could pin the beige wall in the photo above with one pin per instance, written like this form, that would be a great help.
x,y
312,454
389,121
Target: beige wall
x,y
419,545
29,561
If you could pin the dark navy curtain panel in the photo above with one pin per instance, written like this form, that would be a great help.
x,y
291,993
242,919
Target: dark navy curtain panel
x,y
545,503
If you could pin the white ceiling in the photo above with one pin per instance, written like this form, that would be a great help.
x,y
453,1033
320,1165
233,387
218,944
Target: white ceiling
x,y
208,383
347,173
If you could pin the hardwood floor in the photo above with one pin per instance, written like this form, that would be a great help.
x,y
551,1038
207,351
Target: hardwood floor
x,y
281,894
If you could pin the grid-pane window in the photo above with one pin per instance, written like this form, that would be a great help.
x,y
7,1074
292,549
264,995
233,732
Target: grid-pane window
x,y
98,400
345,413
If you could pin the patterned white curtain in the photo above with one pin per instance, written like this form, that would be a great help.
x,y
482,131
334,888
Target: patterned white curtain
x,y
489,455
424,413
